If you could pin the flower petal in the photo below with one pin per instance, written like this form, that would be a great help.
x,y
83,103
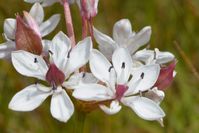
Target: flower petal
x,y
6,49
49,2
143,79
29,64
79,55
29,98
99,66
60,48
155,95
10,28
149,56
122,63
61,106
113,109
122,30
163,57
33,1
46,46
92,92
144,107
139,40
37,13
49,25
106,44
76,78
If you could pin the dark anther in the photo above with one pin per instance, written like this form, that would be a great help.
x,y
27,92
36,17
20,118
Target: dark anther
x,y
54,87
36,83
68,56
130,77
123,65
109,70
35,60
50,52
154,55
142,75
83,75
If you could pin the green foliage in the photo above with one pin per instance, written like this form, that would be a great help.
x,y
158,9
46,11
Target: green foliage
x,y
170,20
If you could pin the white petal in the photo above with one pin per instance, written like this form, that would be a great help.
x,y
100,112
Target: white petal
x,y
79,55
99,66
60,48
6,49
106,44
49,25
155,95
143,79
139,40
144,107
113,109
49,2
29,98
91,92
144,55
122,30
33,1
46,45
76,78
29,64
122,63
163,57
37,13
149,56
10,28
61,106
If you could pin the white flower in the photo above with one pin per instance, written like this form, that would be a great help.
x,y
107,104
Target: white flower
x,y
153,56
123,36
47,2
45,28
121,85
63,62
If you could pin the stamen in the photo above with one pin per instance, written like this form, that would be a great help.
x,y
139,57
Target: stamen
x,y
35,60
50,52
83,75
109,70
155,55
123,65
68,56
54,86
142,75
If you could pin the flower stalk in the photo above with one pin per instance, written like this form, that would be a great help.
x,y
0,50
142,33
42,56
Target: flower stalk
x,y
69,23
79,121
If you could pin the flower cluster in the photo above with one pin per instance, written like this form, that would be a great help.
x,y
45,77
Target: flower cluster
x,y
121,73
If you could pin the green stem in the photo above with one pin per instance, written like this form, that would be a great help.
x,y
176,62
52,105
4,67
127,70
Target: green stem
x,y
79,122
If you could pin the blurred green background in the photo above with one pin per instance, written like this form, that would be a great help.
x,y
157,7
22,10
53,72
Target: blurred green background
x,y
171,20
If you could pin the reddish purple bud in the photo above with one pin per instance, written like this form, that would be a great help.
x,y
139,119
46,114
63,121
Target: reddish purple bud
x,y
26,38
31,22
166,76
88,8
55,76
120,90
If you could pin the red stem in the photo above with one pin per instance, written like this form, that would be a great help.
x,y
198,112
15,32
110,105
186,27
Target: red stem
x,y
69,23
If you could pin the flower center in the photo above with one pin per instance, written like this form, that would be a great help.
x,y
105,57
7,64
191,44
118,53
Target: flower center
x,y
55,76
120,90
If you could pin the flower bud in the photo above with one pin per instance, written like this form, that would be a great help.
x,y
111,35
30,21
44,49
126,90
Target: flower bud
x,y
166,76
88,8
26,38
31,22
